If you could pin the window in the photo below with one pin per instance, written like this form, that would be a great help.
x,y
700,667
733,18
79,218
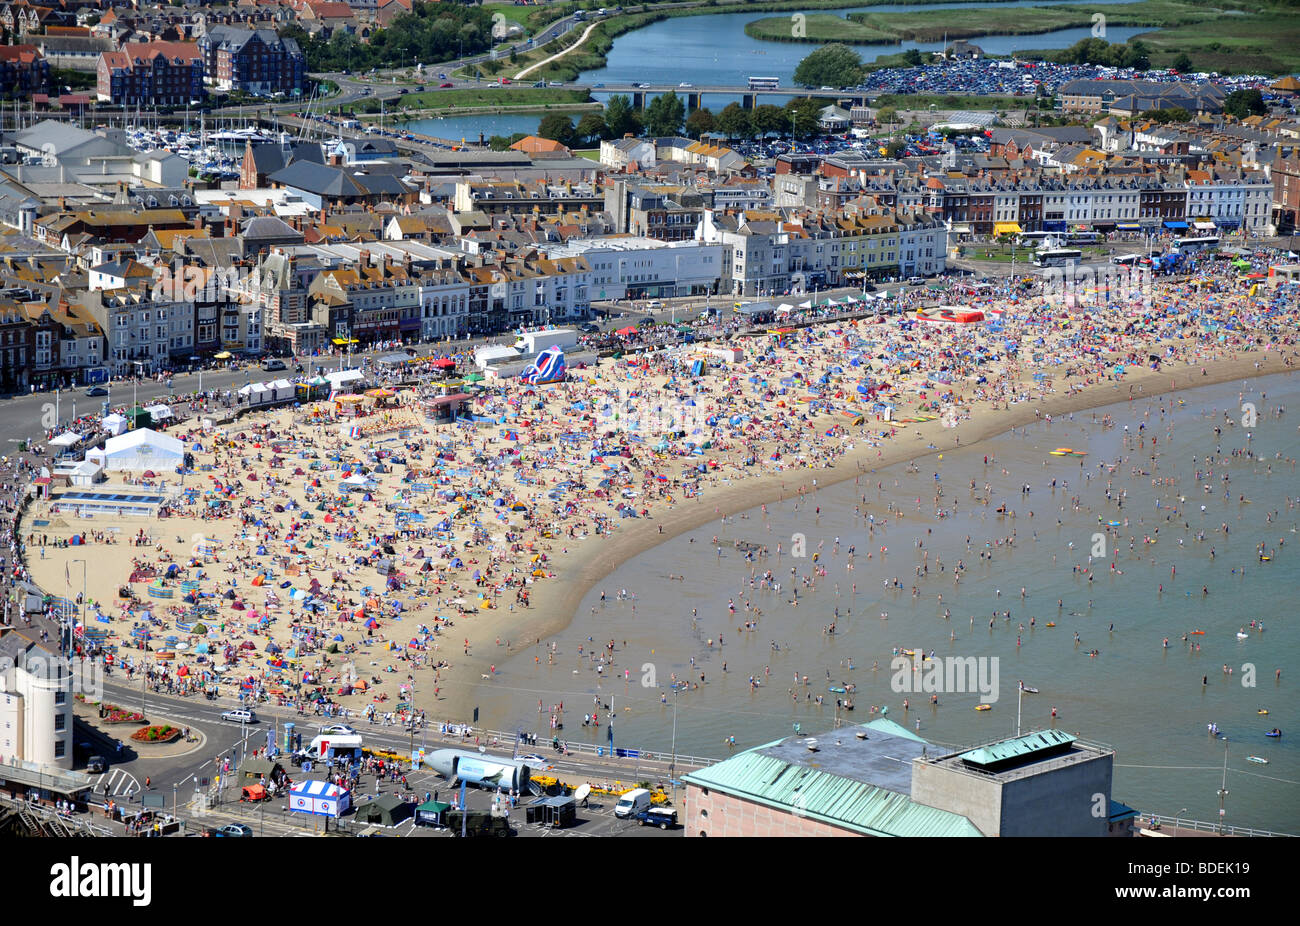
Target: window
x,y
60,749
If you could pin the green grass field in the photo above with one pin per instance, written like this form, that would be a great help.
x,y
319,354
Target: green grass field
x,y
933,25
1229,36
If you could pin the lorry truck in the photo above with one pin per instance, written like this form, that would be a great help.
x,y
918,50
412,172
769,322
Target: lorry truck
x,y
534,342
333,746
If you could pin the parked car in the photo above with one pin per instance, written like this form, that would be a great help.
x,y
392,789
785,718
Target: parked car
x,y
662,817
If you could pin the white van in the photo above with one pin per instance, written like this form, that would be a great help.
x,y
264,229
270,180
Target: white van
x,y
632,803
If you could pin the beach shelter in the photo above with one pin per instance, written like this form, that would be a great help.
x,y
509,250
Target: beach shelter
x,y
139,450
319,797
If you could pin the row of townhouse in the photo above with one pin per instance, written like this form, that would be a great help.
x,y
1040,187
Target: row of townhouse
x,y
44,341
312,296
226,58
150,327
768,253
1230,199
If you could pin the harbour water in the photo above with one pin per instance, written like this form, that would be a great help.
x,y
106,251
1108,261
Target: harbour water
x,y
1146,700
714,50
455,128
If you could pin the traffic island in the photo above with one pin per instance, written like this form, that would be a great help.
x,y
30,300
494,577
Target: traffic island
x,y
156,734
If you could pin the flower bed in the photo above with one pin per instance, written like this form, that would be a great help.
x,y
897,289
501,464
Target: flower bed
x,y
111,713
156,733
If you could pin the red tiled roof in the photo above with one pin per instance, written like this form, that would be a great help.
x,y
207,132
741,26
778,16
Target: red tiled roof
x,y
24,53
147,51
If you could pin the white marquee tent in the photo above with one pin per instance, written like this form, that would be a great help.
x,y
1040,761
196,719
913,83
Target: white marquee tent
x,y
139,450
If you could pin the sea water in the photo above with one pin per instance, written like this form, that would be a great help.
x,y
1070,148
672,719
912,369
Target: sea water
x,y
1145,700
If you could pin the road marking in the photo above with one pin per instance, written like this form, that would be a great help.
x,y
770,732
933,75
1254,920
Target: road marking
x,y
561,54
123,787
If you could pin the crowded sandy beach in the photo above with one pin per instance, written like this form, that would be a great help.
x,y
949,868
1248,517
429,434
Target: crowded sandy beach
x,y
352,556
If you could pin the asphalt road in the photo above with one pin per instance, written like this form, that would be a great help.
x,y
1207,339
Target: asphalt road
x,y
177,778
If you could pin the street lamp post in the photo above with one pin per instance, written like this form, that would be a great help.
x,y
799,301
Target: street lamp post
x,y
1223,788
672,766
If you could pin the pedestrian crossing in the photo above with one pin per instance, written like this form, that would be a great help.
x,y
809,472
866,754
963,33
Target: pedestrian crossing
x,y
120,783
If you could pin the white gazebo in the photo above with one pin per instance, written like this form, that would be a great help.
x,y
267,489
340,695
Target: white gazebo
x,y
114,424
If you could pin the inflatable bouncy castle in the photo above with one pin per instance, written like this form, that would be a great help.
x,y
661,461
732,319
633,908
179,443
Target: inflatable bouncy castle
x,y
547,368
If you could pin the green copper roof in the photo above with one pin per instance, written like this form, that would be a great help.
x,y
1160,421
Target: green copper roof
x,y
1020,747
786,775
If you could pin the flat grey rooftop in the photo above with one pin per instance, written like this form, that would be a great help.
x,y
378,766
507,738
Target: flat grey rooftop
x,y
881,759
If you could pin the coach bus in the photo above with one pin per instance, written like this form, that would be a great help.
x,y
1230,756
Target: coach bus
x,y
1189,245
1057,257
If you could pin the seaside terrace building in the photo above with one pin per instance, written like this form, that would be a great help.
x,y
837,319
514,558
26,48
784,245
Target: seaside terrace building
x,y
879,779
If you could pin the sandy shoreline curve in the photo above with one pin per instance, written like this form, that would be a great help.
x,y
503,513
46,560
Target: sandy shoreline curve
x,y
337,546
556,602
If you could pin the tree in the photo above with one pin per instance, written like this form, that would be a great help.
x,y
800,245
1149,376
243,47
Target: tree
x,y
805,112
592,127
1182,64
664,115
619,116
499,143
912,58
895,148
887,116
833,65
1243,103
735,121
769,119
699,122
1166,116
557,127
